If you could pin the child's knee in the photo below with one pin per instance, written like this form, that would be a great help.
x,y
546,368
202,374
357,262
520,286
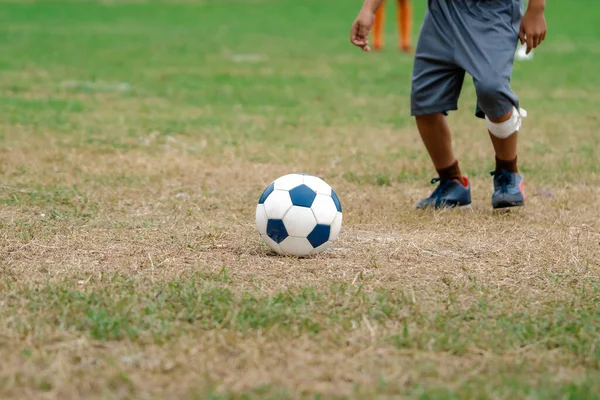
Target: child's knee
x,y
508,126
488,91
492,97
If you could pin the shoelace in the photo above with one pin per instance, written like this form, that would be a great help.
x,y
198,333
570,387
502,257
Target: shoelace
x,y
442,188
503,177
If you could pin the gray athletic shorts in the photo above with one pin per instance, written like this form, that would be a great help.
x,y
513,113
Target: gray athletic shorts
x,y
476,36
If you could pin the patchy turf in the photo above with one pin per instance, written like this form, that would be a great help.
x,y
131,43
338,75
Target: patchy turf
x,y
135,140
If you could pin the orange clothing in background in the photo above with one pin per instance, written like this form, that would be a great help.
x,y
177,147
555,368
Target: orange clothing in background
x,y
404,21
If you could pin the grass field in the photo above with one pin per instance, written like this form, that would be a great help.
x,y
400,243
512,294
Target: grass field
x,y
135,139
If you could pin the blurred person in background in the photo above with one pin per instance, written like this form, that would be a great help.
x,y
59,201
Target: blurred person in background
x,y
404,21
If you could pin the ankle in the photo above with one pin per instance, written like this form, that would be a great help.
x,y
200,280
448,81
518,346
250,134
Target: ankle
x,y
507,165
452,172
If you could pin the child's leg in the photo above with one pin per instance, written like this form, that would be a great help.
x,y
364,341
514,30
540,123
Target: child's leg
x,y
491,68
491,65
509,188
454,189
505,149
404,20
496,102
436,85
378,24
437,139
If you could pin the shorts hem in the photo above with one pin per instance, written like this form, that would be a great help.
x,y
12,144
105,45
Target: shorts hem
x,y
444,108
480,114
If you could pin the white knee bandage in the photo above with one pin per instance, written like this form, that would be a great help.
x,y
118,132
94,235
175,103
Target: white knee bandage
x,y
504,129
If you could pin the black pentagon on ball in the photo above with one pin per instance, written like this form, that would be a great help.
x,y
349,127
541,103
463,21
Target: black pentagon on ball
x,y
276,230
336,200
302,196
266,193
319,235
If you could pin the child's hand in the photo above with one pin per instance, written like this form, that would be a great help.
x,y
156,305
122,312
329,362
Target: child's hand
x,y
359,35
533,29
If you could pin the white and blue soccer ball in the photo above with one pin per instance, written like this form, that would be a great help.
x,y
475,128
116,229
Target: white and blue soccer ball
x,y
299,215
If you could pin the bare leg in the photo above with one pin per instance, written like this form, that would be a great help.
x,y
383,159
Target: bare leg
x,y
378,24
506,149
453,189
436,136
404,20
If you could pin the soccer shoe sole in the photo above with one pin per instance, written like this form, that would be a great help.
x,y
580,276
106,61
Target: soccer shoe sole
x,y
507,204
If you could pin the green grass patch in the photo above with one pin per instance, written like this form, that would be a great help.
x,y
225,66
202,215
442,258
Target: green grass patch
x,y
118,309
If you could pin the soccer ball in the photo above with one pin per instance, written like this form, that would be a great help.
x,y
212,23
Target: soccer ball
x,y
299,215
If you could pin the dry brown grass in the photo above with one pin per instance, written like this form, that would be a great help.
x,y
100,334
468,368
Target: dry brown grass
x,y
174,212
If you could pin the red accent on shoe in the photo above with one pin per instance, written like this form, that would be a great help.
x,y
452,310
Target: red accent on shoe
x,y
465,182
522,189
